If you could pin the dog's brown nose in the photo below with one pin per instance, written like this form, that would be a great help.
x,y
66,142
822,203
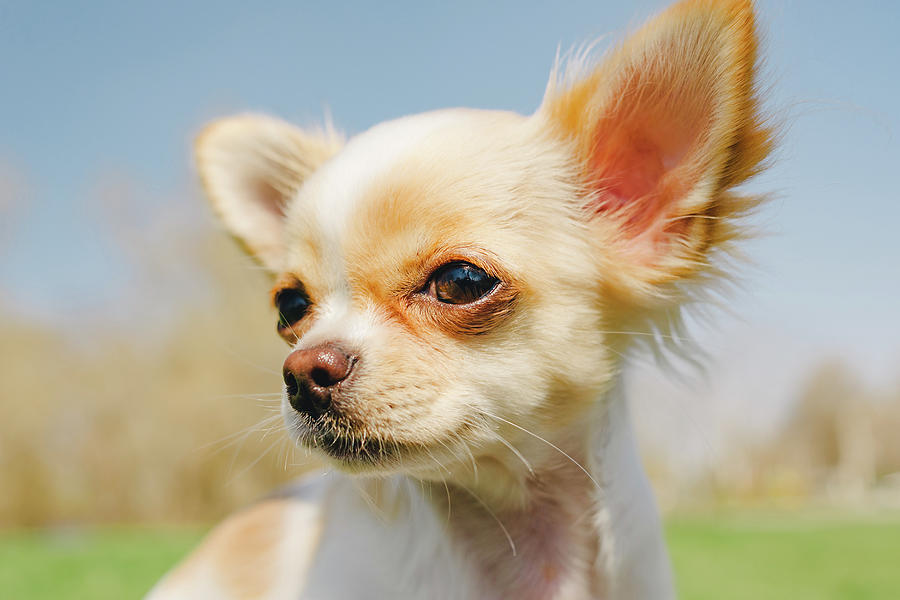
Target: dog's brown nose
x,y
311,374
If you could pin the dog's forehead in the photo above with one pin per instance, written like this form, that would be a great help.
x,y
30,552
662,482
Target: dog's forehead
x,y
340,185
393,176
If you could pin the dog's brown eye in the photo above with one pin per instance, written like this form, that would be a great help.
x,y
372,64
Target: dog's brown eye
x,y
291,305
460,283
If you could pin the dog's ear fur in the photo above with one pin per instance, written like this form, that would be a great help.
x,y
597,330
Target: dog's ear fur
x,y
250,166
661,130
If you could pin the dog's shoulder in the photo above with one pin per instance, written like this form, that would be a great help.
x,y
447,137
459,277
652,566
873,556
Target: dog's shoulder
x,y
262,551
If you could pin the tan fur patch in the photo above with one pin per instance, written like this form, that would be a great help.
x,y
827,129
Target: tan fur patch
x,y
245,549
693,66
241,554
405,229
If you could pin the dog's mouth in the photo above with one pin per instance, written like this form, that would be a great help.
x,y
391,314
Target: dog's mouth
x,y
345,443
359,449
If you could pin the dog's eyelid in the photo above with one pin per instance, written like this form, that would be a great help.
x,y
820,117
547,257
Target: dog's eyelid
x,y
481,259
460,283
292,304
287,282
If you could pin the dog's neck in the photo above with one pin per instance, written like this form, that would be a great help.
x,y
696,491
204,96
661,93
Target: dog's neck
x,y
542,544
533,520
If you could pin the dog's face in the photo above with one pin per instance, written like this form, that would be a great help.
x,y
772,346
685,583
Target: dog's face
x,y
443,260
449,280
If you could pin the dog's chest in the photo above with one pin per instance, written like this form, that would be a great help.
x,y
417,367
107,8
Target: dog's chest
x,y
545,550
403,544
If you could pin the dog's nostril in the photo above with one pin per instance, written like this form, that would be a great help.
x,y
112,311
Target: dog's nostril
x,y
290,384
322,377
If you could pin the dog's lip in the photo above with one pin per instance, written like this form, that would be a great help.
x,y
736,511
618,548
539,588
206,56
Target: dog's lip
x,y
347,448
355,451
350,447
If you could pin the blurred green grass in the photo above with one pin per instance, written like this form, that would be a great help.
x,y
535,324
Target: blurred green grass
x,y
79,564
802,556
797,556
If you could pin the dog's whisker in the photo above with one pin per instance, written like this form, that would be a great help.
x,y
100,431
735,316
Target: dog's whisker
x,y
234,355
444,481
270,423
512,544
652,334
465,446
515,451
237,452
234,477
441,466
369,501
274,395
290,325
447,489
549,443
454,453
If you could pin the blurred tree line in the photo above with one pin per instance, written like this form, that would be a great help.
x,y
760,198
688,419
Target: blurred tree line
x,y
840,445
163,406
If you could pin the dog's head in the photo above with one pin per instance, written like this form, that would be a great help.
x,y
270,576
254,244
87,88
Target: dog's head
x,y
454,278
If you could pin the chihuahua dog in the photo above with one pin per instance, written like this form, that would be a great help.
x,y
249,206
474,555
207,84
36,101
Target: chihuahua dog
x,y
458,290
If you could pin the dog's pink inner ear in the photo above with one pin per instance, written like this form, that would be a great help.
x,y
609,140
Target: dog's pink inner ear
x,y
270,199
646,158
251,166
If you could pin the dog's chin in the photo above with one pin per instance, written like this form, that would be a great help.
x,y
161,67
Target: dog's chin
x,y
356,453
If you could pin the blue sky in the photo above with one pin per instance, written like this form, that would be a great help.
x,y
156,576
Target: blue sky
x,y
93,91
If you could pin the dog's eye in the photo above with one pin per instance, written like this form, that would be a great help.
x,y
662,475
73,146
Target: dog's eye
x,y
460,283
291,305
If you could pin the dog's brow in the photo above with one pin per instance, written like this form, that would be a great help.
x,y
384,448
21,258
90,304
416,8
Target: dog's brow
x,y
285,281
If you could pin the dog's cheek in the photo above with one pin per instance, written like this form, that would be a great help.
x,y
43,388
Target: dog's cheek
x,y
402,390
558,362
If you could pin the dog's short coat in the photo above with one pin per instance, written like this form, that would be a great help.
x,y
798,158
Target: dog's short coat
x,y
458,289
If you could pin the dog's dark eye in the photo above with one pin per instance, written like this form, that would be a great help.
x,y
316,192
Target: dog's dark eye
x,y
291,305
460,283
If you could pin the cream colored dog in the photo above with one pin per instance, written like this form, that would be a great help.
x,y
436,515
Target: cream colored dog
x,y
458,289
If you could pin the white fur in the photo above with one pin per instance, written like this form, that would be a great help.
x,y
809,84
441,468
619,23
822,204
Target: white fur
x,y
393,537
490,440
384,538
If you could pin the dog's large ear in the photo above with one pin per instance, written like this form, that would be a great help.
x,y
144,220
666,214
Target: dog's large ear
x,y
662,129
250,166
